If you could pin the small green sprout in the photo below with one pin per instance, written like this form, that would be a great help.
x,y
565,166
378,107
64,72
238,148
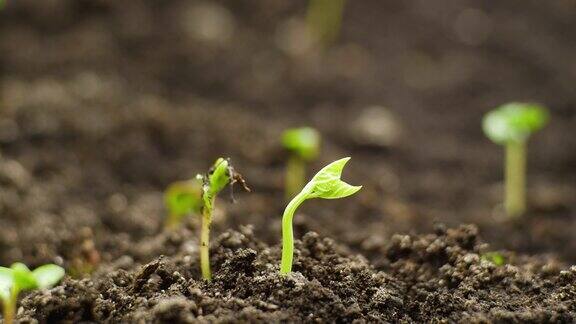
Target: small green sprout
x,y
219,176
183,198
495,257
324,18
511,125
304,146
326,184
18,277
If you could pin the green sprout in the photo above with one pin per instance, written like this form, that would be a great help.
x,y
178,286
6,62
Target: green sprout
x,y
326,184
324,18
219,176
511,125
495,257
183,198
18,277
304,146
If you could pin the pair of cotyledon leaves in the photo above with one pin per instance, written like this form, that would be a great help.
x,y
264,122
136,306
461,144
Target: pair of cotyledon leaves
x,y
18,277
514,122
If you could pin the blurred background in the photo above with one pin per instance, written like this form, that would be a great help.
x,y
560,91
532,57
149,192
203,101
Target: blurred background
x,y
104,103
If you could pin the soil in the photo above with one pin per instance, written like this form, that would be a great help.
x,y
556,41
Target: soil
x,y
104,103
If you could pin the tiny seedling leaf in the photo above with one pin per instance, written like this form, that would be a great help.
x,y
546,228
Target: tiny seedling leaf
x,y
184,197
514,122
219,176
304,142
23,277
326,184
48,275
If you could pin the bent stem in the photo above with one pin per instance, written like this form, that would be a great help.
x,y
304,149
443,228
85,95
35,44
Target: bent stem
x,y
295,176
515,178
205,239
287,232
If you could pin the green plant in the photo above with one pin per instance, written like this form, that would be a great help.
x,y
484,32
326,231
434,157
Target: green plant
x,y
18,277
511,125
183,198
219,176
326,184
495,257
324,18
304,147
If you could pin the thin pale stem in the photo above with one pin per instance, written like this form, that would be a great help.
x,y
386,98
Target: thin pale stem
x,y
295,176
288,234
10,306
515,196
324,18
205,239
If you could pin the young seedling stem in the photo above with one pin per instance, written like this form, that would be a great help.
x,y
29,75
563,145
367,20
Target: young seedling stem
x,y
515,178
324,18
511,125
219,176
326,184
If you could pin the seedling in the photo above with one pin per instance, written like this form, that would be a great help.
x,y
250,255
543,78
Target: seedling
x,y
304,147
18,277
495,257
324,18
326,184
511,125
183,198
219,176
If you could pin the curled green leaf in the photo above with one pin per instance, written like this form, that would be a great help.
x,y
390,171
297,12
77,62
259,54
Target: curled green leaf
x,y
326,184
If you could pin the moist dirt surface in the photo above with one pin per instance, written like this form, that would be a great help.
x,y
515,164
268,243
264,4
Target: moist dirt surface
x,y
104,103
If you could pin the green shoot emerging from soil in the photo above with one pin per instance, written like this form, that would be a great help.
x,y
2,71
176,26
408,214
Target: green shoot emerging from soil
x,y
219,176
324,18
304,146
495,257
18,277
511,125
183,198
325,184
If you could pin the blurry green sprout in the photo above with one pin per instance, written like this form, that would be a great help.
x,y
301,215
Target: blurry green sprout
x,y
511,125
326,184
183,198
324,18
495,257
219,176
304,146
18,277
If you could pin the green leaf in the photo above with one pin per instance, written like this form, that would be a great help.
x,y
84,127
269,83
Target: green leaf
x,y
184,197
219,176
514,122
23,278
304,142
6,282
326,184
48,275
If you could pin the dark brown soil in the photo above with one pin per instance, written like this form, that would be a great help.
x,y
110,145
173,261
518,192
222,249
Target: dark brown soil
x,y
104,103
428,278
